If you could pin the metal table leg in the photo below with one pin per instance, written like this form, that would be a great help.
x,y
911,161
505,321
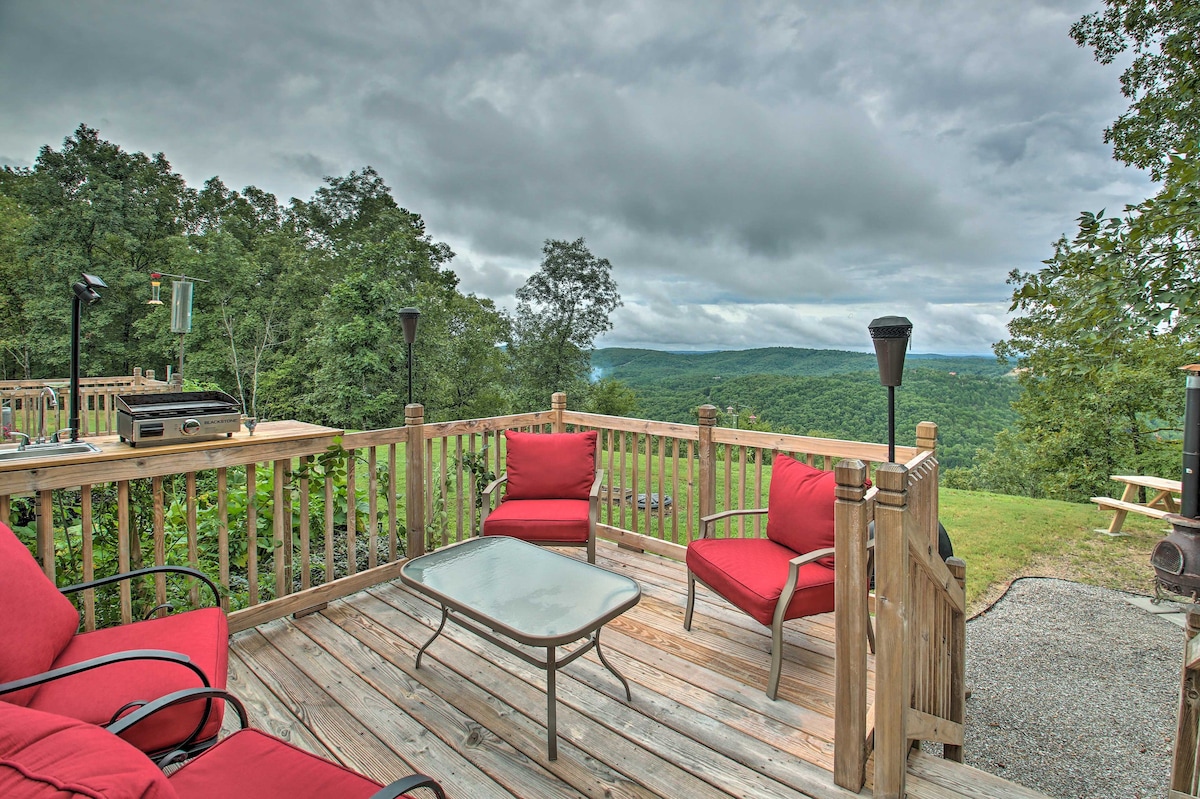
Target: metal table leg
x,y
436,633
609,666
551,715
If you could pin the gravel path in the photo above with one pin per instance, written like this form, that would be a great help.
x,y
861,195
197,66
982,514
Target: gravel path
x,y
1074,691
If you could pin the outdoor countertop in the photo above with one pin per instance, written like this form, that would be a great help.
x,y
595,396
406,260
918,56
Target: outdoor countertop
x,y
117,460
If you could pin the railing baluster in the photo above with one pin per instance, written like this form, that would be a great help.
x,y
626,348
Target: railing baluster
x,y
123,514
305,524
372,511
159,538
252,533
193,544
394,477
88,553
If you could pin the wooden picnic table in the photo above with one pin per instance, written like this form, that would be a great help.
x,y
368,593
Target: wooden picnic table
x,y
1157,506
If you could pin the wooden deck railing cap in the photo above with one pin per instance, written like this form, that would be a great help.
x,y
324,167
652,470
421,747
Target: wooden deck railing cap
x,y
891,479
707,415
850,475
414,414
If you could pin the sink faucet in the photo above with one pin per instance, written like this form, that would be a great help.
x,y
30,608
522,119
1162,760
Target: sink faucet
x,y
48,399
20,444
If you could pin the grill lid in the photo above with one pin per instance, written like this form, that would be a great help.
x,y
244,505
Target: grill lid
x,y
179,403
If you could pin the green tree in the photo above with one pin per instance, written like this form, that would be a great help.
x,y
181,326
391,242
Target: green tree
x,y
561,309
1164,115
101,210
612,398
17,281
1108,320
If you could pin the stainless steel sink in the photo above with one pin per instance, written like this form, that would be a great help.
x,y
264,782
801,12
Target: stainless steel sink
x,y
47,451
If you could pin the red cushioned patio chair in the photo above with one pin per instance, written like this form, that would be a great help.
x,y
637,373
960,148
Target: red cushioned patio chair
x,y
551,490
48,756
96,676
788,574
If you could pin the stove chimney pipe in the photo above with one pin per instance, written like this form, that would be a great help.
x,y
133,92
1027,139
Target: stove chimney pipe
x,y
1189,499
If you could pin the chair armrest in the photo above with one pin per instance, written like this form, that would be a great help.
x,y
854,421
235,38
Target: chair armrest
x,y
199,575
595,491
182,751
406,784
100,662
809,557
492,486
708,522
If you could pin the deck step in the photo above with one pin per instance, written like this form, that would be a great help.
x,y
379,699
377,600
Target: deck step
x,y
931,777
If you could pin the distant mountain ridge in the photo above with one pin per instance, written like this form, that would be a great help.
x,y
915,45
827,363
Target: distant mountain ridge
x,y
634,364
829,393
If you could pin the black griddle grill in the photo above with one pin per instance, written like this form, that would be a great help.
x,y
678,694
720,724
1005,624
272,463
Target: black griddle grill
x,y
177,416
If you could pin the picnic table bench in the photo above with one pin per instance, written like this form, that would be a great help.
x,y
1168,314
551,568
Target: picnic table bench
x,y
1158,506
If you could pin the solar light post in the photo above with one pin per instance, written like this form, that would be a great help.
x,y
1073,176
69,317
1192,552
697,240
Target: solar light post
x,y
890,335
408,320
84,292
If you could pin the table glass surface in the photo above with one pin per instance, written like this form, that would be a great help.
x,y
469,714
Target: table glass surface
x,y
532,590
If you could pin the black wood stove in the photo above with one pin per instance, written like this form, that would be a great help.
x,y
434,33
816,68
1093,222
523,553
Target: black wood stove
x,y
1176,559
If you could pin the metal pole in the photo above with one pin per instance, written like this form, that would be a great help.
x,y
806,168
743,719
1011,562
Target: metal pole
x,y
76,312
891,424
410,373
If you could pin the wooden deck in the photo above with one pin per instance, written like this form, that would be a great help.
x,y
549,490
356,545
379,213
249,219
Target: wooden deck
x,y
342,683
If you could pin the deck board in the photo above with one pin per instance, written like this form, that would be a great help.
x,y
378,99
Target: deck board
x,y
343,683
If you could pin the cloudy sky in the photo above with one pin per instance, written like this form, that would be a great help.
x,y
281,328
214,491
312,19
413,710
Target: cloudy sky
x,y
758,173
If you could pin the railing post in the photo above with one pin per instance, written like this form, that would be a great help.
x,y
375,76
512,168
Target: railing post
x,y
893,678
708,460
414,481
850,623
558,404
137,376
927,436
1183,764
958,661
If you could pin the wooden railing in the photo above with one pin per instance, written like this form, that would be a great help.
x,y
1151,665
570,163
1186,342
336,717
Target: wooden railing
x,y
1185,765
29,402
920,611
331,515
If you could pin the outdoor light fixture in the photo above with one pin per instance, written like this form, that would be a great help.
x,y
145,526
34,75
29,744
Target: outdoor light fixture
x,y
408,320
890,335
85,293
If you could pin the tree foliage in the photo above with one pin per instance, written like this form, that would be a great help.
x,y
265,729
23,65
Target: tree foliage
x,y
296,306
561,309
1104,325
1164,36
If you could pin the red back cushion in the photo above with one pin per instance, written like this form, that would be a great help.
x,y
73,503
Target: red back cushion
x,y
44,756
550,465
37,621
800,507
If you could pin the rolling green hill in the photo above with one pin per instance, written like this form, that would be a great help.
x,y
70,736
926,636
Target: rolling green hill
x,y
824,392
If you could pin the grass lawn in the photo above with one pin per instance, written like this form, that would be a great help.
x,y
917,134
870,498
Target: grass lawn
x,y
1002,538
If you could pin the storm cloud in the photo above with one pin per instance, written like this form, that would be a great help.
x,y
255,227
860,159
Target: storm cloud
x,y
758,173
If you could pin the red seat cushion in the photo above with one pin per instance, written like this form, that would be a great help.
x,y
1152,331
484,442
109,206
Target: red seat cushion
x,y
251,764
800,507
540,520
549,465
94,695
37,622
45,756
750,573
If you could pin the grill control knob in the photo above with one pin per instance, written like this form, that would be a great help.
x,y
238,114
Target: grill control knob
x,y
190,427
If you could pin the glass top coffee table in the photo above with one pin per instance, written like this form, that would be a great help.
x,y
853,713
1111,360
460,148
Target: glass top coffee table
x,y
510,592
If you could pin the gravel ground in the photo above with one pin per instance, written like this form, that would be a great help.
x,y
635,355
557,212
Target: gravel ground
x,y
1074,691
